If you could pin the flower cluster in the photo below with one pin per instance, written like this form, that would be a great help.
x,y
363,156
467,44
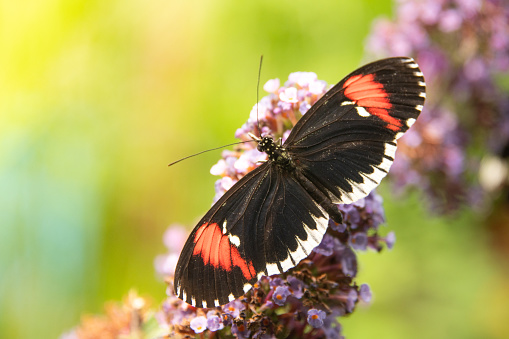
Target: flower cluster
x,y
462,48
306,301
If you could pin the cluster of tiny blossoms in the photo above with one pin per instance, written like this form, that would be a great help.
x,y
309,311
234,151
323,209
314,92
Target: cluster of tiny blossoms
x,y
306,301
462,47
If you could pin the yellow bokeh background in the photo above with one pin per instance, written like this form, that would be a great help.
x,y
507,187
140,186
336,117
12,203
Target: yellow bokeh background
x,y
96,97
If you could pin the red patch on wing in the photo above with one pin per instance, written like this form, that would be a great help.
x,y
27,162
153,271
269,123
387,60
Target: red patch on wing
x,y
367,93
215,249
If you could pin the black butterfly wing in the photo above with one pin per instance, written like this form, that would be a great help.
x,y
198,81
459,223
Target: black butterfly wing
x,y
345,144
265,224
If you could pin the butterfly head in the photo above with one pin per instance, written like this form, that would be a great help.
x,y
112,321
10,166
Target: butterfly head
x,y
266,144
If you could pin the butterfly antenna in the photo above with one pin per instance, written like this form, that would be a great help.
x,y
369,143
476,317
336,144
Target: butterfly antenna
x,y
208,150
257,94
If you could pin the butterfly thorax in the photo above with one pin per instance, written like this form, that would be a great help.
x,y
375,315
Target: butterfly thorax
x,y
276,153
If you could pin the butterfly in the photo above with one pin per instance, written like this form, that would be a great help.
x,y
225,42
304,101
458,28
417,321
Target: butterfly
x,y
278,213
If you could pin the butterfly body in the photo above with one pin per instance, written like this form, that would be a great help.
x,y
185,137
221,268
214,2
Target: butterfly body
x,y
274,216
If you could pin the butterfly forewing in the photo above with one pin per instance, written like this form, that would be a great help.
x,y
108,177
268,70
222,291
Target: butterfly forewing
x,y
275,215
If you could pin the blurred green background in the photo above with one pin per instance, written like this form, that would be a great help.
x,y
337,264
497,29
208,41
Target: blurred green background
x,y
96,97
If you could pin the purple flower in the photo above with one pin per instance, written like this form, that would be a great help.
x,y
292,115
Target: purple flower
x,y
287,106
276,281
280,295
227,319
331,326
390,240
316,317
337,227
348,262
350,214
374,206
304,107
199,324
351,299
326,247
360,203
240,331
222,185
365,293
359,241
175,310
214,322
233,308
296,286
